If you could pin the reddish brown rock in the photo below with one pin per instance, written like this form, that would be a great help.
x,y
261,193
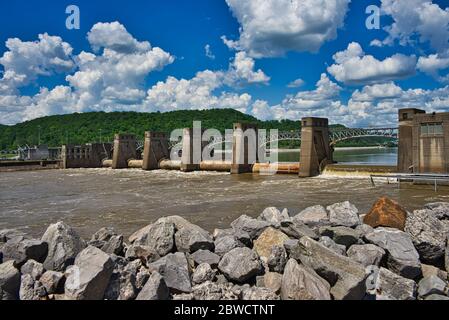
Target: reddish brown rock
x,y
386,213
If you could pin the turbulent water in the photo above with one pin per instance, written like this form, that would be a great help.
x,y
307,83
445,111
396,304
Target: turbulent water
x,y
131,199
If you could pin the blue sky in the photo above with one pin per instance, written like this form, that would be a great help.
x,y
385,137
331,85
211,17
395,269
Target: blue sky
x,y
269,44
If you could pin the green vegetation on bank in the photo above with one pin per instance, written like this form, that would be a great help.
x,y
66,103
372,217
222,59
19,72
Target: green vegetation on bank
x,y
79,128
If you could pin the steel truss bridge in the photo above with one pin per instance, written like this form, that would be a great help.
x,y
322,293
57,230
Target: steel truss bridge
x,y
335,135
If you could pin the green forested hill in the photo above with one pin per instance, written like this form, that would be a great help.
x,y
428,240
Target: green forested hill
x,y
79,128
91,127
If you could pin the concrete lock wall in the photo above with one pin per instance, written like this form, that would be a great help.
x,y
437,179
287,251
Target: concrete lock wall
x,y
244,148
423,142
125,149
192,147
85,156
155,149
315,146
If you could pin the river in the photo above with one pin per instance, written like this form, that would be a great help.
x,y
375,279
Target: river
x,y
89,199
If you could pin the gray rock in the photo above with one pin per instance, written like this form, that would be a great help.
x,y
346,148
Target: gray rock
x,y
274,217
259,294
21,249
89,277
218,233
341,235
402,256
176,272
432,285
143,253
108,240
154,289
202,274
249,225
390,286
243,237
183,297
240,265
31,289
142,277
290,244
346,277
64,244
53,282
9,281
225,244
205,256
301,283
428,236
331,245
210,291
367,254
273,281
122,284
313,216
277,260
344,214
437,297
8,234
428,270
440,210
297,230
33,268
160,237
364,229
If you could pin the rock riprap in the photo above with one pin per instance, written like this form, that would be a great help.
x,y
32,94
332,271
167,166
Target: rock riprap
x,y
319,254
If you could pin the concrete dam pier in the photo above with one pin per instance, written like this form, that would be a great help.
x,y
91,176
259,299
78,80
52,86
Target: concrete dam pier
x,y
423,148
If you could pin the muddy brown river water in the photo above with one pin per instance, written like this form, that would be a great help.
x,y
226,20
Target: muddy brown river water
x,y
89,199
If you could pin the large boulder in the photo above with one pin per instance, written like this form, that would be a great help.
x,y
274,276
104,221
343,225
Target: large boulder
x,y
154,289
64,244
313,216
8,234
215,291
273,281
278,259
225,244
346,277
267,240
274,216
205,256
249,225
428,236
367,254
297,230
344,214
331,245
390,286
432,285
203,273
88,278
53,282
240,265
31,289
33,268
143,253
440,210
189,237
176,272
428,270
341,235
302,283
21,249
108,240
402,256
9,281
160,237
122,285
386,213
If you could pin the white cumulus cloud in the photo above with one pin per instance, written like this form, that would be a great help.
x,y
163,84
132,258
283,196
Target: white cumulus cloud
x,y
270,28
